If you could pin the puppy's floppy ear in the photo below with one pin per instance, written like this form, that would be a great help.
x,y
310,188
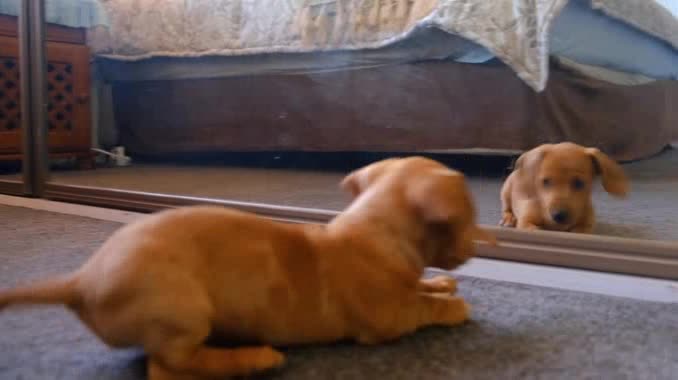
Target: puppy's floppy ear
x,y
444,198
613,176
532,158
438,197
357,181
350,183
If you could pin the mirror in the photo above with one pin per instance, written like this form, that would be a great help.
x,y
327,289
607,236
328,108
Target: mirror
x,y
11,136
275,102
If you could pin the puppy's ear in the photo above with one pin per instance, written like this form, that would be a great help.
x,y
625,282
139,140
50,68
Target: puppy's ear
x,y
613,177
350,183
444,198
532,158
359,180
441,197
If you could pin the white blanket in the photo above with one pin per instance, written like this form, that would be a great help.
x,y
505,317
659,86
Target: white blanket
x,y
516,31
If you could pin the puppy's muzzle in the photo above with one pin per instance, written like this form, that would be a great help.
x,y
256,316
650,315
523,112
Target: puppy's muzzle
x,y
560,216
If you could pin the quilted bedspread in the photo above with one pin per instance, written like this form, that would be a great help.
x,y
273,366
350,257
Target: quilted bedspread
x,y
516,31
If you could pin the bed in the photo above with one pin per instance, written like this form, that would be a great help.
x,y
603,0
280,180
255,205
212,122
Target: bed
x,y
386,75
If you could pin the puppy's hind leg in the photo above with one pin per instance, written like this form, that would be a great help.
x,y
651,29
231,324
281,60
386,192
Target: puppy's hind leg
x,y
213,363
186,357
175,343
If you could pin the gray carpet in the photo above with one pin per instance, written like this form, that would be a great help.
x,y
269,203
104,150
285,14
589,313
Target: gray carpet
x,y
518,332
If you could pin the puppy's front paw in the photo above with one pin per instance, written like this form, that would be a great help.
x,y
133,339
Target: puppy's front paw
x,y
457,312
270,358
508,220
439,284
467,310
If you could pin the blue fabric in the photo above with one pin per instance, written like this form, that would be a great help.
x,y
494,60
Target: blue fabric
x,y
670,5
72,13
590,37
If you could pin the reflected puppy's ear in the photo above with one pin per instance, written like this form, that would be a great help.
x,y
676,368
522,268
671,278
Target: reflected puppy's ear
x,y
531,159
613,177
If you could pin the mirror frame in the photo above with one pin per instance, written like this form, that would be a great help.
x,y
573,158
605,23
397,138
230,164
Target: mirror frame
x,y
599,253
33,87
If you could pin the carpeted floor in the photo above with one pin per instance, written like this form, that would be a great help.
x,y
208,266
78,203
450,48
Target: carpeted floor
x,y
518,332
648,213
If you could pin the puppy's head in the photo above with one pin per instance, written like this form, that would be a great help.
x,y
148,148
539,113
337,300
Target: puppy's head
x,y
435,201
563,176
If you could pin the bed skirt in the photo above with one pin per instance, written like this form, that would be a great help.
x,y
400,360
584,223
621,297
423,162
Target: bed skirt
x,y
400,108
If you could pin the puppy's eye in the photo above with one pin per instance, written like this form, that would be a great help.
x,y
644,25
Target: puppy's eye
x,y
577,184
546,182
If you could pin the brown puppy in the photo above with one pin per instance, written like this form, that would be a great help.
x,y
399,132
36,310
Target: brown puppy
x,y
169,281
551,185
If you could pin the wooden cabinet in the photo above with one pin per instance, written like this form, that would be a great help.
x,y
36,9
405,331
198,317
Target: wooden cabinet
x,y
68,81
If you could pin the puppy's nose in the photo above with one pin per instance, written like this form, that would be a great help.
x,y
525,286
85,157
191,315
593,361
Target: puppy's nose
x,y
560,216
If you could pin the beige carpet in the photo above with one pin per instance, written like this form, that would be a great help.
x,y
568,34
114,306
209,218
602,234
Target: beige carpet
x,y
649,213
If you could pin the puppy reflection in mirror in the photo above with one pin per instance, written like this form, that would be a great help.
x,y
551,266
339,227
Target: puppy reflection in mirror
x,y
551,187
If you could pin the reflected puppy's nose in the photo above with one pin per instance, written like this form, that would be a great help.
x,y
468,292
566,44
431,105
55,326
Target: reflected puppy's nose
x,y
560,216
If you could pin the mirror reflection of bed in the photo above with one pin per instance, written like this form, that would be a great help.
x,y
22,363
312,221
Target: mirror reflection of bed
x,y
311,84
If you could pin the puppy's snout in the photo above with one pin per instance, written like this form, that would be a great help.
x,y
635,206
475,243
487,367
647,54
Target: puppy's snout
x,y
560,216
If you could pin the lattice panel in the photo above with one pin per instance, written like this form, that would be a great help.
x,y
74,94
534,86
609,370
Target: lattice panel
x,y
60,96
61,99
10,109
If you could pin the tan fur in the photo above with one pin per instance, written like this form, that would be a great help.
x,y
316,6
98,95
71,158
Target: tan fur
x,y
169,281
558,178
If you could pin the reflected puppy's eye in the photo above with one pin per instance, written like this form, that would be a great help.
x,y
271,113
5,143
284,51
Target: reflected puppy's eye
x,y
578,184
546,182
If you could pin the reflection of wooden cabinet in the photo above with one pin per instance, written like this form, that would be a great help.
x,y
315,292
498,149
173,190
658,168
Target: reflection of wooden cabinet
x,y
68,81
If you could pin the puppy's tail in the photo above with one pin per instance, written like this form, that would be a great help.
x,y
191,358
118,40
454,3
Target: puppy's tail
x,y
57,290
